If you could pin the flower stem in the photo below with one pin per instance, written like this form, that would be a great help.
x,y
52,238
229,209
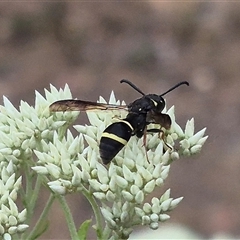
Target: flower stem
x,y
68,216
96,210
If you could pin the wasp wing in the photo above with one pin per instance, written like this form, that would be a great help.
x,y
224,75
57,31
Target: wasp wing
x,y
79,105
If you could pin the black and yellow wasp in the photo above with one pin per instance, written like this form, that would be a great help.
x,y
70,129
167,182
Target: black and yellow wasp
x,y
141,112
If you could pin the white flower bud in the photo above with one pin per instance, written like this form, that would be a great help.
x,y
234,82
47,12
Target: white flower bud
x,y
80,129
99,195
124,217
12,220
58,189
175,202
22,227
106,214
202,140
7,236
145,173
153,140
4,214
189,129
156,208
126,206
53,170
177,129
196,137
10,182
121,182
157,171
56,125
18,183
112,184
110,196
154,217
163,217
138,180
166,204
16,153
5,196
6,151
165,196
174,156
13,207
139,212
174,137
165,171
127,196
134,189
139,197
2,230
159,182
104,187
40,170
196,149
22,215
117,209
77,175
29,125
186,153
165,157
45,134
147,208
154,225
146,220
102,173
91,142
66,167
128,175
95,184
13,194
85,175
149,187
155,200
128,162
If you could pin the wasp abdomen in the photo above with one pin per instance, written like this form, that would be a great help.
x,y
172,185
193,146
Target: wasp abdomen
x,y
113,139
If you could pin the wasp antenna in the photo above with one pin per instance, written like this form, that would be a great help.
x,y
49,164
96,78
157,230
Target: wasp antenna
x,y
132,85
177,85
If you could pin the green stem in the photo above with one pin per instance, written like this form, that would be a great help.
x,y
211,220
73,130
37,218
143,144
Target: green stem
x,y
69,218
40,227
35,192
31,194
96,211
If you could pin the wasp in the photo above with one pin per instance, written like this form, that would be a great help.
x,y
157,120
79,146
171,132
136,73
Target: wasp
x,y
141,112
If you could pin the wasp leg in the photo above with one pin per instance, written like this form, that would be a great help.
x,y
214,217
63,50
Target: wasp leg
x,y
145,142
161,136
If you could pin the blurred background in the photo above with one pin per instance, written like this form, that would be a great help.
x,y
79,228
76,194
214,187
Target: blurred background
x,y
93,45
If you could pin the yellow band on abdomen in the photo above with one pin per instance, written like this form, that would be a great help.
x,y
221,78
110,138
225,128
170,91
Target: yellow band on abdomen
x,y
114,137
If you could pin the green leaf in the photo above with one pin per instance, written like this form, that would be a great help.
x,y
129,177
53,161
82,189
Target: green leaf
x,y
83,230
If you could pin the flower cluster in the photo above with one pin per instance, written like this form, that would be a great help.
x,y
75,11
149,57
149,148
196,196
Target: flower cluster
x,y
122,187
23,131
71,164
11,220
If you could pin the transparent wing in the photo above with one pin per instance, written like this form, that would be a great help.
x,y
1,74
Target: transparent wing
x,y
79,105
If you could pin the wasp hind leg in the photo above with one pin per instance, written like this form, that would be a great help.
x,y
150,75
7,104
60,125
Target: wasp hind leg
x,y
145,143
161,136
